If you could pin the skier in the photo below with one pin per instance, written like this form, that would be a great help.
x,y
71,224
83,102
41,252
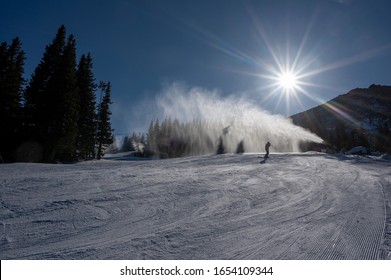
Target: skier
x,y
267,146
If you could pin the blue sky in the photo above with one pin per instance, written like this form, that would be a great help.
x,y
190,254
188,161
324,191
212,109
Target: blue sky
x,y
235,47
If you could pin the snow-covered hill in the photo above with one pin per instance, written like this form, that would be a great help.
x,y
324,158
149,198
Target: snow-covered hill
x,y
295,206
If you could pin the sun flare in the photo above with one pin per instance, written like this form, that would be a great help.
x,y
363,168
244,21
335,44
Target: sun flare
x,y
288,81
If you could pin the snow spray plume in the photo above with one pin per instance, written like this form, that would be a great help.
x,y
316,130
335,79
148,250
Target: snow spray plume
x,y
230,120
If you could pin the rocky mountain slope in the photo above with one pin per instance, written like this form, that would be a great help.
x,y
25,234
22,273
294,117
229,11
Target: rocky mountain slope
x,y
361,117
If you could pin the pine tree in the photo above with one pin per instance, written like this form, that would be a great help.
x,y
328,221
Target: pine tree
x,y
104,131
87,87
68,108
240,147
52,103
41,98
11,83
127,145
220,147
151,137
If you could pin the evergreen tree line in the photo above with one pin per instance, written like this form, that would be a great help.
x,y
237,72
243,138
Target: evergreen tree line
x,y
172,138
344,136
54,116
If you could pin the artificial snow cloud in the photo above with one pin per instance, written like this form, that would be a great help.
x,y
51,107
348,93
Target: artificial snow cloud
x,y
232,120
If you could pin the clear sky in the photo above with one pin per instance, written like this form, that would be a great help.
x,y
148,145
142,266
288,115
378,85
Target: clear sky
x,y
237,47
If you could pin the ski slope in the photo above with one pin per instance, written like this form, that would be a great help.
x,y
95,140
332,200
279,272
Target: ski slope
x,y
295,206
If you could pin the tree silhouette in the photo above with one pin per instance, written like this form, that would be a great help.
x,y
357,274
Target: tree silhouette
x,y
87,117
104,131
11,83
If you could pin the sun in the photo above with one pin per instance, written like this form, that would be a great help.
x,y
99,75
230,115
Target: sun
x,y
288,81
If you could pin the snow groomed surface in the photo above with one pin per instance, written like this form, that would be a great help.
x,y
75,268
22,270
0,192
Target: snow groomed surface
x,y
296,206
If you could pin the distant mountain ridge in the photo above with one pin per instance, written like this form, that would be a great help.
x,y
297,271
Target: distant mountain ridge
x,y
361,117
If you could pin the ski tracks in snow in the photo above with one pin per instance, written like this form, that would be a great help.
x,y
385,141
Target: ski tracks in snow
x,y
297,206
